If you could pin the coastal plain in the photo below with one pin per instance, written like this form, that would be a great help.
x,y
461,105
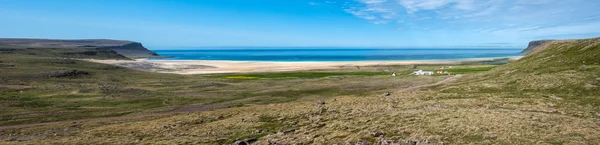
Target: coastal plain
x,y
64,96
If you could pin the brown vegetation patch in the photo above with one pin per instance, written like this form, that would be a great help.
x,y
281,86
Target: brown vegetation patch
x,y
65,73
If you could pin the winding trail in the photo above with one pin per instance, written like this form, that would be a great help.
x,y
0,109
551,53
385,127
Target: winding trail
x,y
194,108
416,88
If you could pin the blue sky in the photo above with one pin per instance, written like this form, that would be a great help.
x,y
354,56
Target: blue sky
x,y
340,23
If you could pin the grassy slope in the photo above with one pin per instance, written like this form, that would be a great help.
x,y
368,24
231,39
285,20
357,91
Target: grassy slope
x,y
511,104
546,98
27,96
569,70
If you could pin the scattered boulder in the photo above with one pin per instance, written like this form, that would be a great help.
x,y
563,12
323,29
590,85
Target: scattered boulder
x,y
383,141
387,94
411,142
251,140
377,133
362,143
555,98
320,103
323,110
582,66
240,142
509,71
289,131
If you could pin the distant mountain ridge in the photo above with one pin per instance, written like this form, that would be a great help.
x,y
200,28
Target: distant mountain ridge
x,y
126,48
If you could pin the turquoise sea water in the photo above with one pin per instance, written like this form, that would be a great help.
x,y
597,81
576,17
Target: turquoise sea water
x,y
336,54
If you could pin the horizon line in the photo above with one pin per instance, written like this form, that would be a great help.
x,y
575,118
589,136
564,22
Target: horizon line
x,y
346,47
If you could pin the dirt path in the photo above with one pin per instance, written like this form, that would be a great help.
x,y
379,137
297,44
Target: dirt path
x,y
182,109
416,88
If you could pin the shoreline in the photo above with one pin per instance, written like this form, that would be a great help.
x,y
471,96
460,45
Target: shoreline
x,y
227,66
350,61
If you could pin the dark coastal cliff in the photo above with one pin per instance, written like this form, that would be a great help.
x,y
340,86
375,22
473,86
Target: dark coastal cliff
x,y
533,45
126,48
133,50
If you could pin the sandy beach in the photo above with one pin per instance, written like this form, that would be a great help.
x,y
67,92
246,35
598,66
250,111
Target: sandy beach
x,y
213,66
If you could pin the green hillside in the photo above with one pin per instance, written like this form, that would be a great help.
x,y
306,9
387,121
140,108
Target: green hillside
x,y
548,97
53,84
569,69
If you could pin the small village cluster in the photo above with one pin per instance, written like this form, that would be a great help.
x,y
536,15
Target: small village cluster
x,y
440,71
421,72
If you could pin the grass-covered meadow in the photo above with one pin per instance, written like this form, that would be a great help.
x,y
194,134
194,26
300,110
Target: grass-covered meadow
x,y
550,97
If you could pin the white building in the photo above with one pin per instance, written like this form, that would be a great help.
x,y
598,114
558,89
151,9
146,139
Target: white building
x,y
421,72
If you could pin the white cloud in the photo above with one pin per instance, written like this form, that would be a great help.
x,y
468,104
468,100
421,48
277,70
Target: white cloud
x,y
392,10
373,1
417,5
532,31
539,17
375,11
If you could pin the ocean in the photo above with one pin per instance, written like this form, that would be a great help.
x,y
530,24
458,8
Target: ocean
x,y
335,54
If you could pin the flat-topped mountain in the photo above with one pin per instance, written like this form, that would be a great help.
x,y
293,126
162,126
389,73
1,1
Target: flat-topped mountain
x,y
540,45
534,44
126,48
